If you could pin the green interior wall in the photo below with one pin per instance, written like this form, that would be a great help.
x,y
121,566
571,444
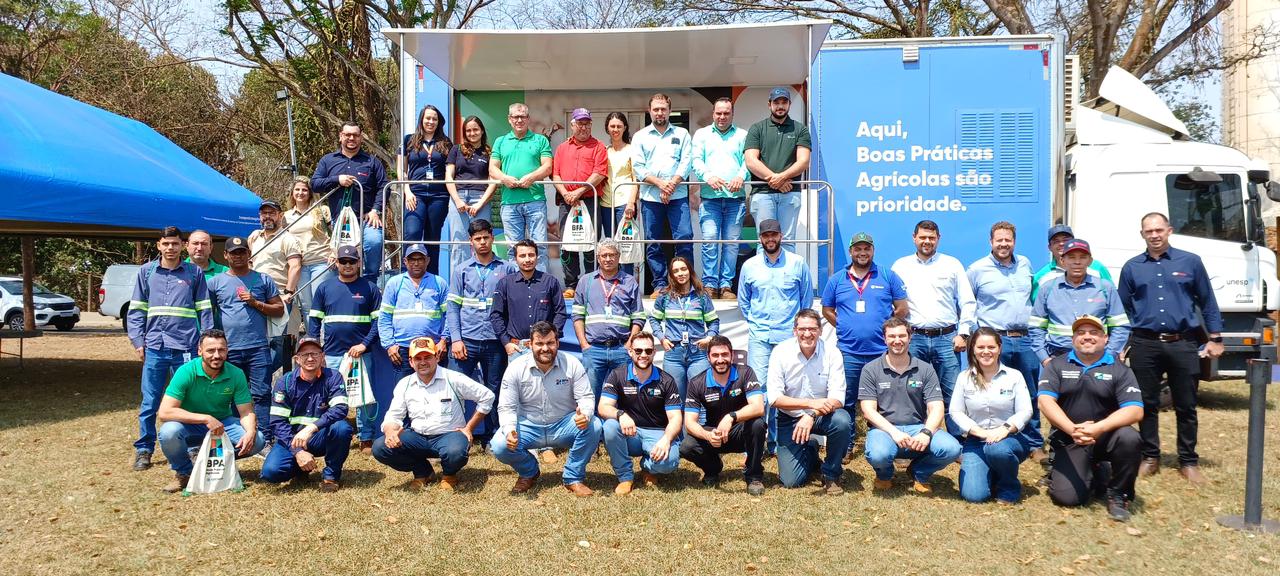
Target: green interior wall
x,y
491,108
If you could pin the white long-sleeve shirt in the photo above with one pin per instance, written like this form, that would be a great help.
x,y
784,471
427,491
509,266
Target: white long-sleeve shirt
x,y
529,394
794,376
938,292
436,407
1005,399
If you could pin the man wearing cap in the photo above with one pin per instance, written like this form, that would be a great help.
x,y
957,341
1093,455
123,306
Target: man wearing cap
x,y
777,151
642,410
724,414
361,177
308,419
198,401
718,160
170,305
1058,237
856,302
431,400
474,346
940,306
1092,400
581,158
244,299
663,154
520,159
413,306
277,253
773,286
607,314
344,309
521,300
1165,292
546,402
1001,284
1077,293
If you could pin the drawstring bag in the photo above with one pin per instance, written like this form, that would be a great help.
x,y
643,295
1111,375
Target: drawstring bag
x,y
346,229
580,231
215,467
356,379
630,242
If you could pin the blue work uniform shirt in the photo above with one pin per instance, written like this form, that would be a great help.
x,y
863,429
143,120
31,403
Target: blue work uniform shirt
x,y
347,312
411,311
608,307
169,307
862,332
296,402
470,302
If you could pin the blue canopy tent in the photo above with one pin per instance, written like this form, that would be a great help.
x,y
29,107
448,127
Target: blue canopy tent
x,y
70,169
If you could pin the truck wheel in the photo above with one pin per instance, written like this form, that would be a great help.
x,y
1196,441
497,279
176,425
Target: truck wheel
x,y
14,321
124,317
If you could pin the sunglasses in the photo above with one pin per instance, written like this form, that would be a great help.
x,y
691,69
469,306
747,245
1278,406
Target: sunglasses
x,y
348,262
643,351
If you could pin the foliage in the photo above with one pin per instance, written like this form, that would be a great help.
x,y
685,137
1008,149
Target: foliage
x,y
73,267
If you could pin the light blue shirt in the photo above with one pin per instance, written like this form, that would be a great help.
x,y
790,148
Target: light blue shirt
x,y
410,311
771,293
664,155
720,154
1003,292
1059,304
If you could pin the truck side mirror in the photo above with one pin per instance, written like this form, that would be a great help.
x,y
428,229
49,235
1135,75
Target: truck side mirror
x,y
1273,190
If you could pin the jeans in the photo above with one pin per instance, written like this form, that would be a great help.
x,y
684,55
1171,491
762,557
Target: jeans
x,y
312,276
367,415
411,455
255,362
527,220
984,465
490,359
619,212
758,359
652,214
176,438
563,434
424,223
333,442
882,450
743,437
623,448
1016,353
940,353
720,219
853,364
684,362
600,361
158,367
783,207
371,244
1151,359
796,462
458,253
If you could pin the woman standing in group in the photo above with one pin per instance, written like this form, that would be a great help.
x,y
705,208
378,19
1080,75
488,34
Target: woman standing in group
x,y
684,320
312,232
990,404
469,161
427,206
622,199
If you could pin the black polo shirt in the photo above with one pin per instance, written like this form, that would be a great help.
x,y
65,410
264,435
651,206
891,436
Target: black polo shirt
x,y
901,398
645,402
1089,392
714,401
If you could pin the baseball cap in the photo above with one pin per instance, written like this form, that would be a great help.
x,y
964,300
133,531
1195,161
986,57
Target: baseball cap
x,y
780,92
345,252
1075,244
1060,229
861,237
270,204
415,249
236,243
769,225
423,345
1087,319
580,114
307,340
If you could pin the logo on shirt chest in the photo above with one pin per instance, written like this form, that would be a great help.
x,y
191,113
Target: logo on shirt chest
x,y
713,396
1102,376
735,393
653,392
884,385
1070,374
629,390
914,384
279,397
562,381
357,296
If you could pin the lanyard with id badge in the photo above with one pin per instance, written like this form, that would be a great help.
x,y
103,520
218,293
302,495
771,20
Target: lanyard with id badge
x,y
860,306
608,295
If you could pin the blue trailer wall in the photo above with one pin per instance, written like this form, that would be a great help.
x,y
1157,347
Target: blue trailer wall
x,y
962,137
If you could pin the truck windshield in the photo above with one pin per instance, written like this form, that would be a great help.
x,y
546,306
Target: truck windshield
x,y
1213,210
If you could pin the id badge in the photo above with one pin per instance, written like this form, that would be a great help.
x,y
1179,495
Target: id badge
x,y
608,313
417,307
684,339
860,307
186,356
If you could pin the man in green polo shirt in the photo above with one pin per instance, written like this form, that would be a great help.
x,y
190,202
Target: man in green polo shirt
x,y
520,159
777,152
198,400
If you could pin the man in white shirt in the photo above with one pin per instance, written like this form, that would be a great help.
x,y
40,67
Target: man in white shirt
x,y
432,400
941,307
806,385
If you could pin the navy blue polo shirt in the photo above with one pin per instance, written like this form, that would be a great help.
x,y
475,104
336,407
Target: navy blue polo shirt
x,y
425,163
645,402
519,303
473,167
1162,294
862,333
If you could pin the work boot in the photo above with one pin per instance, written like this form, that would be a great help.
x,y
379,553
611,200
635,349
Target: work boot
x,y
420,484
880,485
141,461
1149,467
547,456
328,486
727,294
448,483
714,293
832,487
648,480
579,489
921,487
366,447
524,484
1038,455
755,488
1118,508
1192,473
178,484
623,488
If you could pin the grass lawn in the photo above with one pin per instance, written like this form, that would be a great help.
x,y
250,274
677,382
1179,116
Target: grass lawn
x,y
71,505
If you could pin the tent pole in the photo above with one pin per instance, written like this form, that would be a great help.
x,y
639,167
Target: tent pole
x,y
28,273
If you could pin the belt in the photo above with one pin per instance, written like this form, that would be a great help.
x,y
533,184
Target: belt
x,y
610,343
931,332
1165,337
1017,333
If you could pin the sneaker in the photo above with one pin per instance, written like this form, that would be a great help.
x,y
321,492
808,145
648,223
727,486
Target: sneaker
x,y
1118,509
755,488
329,486
141,461
178,484
832,487
711,480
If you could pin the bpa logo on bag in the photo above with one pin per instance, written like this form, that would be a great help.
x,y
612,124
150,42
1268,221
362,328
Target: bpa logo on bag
x,y
216,460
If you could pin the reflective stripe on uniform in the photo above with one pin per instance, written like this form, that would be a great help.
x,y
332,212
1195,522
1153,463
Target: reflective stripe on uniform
x,y
343,318
171,311
337,400
603,319
281,411
316,313
138,305
204,305
304,420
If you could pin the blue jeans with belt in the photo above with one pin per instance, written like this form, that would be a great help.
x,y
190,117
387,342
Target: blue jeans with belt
x,y
599,360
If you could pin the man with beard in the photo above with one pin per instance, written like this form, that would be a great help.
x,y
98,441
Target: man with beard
x,y
277,253
941,307
345,168
521,300
777,151
718,160
641,407
724,414
663,156
198,401
546,402
413,307
309,419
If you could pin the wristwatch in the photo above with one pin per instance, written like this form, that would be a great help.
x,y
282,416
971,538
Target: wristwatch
x,y
1008,426
733,416
1216,339
927,432
618,416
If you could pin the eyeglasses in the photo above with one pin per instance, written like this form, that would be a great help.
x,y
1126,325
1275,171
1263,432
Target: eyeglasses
x,y
351,135
807,329
643,351
309,355
519,116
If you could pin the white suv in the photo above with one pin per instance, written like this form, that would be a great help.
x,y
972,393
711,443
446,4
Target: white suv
x,y
51,308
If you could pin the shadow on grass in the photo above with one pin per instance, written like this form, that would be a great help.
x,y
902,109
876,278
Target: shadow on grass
x,y
350,479
55,390
1224,400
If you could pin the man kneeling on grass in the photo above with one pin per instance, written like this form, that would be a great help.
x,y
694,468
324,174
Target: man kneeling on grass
x,y
198,400
432,399
642,410
309,419
546,402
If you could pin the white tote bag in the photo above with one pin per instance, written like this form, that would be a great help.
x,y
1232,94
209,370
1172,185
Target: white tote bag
x,y
346,229
580,230
215,466
630,242
356,379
